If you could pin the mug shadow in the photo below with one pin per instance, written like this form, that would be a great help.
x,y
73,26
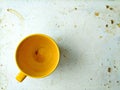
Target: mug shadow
x,y
69,59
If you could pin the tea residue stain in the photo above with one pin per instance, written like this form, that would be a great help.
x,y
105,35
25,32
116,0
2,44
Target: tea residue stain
x,y
38,57
16,13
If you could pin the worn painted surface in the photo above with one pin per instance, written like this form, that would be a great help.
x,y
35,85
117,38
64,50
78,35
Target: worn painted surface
x,y
87,32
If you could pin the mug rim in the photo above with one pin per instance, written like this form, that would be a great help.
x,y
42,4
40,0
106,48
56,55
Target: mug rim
x,y
58,51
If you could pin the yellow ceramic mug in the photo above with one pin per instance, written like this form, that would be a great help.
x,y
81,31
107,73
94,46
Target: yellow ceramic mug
x,y
36,56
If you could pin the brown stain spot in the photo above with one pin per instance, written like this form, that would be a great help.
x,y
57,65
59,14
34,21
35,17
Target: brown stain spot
x,y
109,81
109,69
111,8
58,25
104,84
117,81
91,79
109,32
5,25
1,65
112,21
96,13
59,39
36,52
106,25
75,26
75,8
107,6
12,24
109,48
0,20
100,36
64,55
114,66
118,25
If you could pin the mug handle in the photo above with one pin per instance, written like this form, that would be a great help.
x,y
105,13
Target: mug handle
x,y
20,77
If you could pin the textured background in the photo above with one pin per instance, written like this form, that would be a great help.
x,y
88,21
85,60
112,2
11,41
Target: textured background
x,y
87,32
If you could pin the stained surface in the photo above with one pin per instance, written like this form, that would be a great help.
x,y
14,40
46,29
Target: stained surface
x,y
87,32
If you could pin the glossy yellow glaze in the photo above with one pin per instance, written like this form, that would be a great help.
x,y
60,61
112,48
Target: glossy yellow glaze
x,y
37,56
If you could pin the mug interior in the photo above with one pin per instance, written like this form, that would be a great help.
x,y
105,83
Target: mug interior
x,y
37,55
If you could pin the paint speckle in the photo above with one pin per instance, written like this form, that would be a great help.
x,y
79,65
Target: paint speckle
x,y
96,13
109,69
112,21
118,25
100,36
